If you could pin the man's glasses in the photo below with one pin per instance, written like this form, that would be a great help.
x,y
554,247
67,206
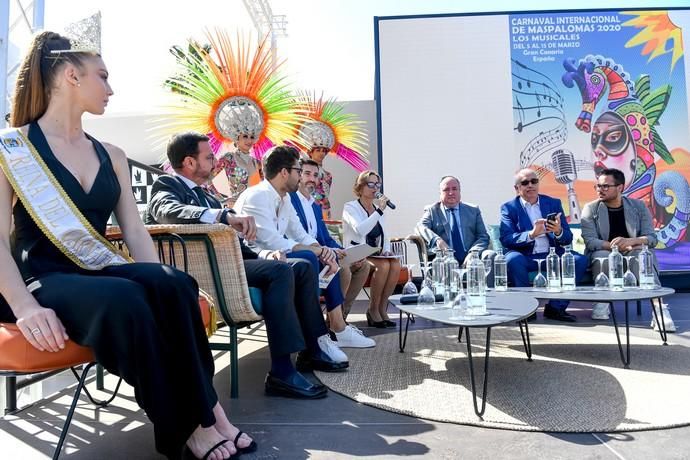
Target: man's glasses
x,y
374,184
605,187
526,182
299,170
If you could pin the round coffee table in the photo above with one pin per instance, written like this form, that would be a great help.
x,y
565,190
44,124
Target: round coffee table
x,y
589,294
502,308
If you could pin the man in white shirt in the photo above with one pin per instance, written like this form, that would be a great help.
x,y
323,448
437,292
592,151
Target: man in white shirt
x,y
279,229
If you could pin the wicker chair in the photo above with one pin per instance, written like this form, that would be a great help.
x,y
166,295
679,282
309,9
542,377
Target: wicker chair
x,y
215,261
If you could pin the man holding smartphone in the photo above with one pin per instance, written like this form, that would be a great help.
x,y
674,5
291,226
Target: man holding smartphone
x,y
530,225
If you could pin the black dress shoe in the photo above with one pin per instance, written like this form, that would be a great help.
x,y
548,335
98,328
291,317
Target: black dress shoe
x,y
558,315
389,323
318,360
294,386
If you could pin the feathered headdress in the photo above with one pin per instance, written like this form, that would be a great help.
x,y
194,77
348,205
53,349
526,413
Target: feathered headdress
x,y
328,126
227,90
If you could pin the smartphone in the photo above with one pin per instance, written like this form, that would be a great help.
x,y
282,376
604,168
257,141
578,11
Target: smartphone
x,y
551,217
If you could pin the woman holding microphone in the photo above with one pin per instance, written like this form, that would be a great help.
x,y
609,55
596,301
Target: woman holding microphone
x,y
364,222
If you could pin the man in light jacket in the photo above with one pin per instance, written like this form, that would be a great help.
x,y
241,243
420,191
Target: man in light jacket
x,y
614,219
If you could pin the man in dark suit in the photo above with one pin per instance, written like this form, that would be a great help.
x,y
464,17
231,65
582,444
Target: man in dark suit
x,y
353,277
290,302
452,224
528,236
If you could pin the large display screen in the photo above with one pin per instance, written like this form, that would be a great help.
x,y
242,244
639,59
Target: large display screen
x,y
566,93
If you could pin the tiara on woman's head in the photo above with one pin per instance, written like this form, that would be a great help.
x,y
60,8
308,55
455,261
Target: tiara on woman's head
x,y
84,36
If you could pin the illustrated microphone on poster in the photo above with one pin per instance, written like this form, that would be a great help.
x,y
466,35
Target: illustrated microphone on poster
x,y
389,203
565,171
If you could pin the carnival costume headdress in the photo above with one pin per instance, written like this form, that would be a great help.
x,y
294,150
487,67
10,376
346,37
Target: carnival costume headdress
x,y
330,127
228,90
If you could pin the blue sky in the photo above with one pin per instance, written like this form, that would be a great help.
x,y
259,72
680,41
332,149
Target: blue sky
x,y
330,43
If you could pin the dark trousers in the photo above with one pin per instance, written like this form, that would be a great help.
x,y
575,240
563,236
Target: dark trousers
x,y
519,266
143,322
334,292
290,304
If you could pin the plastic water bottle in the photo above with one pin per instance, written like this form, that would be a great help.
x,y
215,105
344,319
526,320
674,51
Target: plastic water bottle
x,y
615,269
476,286
646,263
553,270
500,271
568,270
438,273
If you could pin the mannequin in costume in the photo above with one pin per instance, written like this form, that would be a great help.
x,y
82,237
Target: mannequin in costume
x,y
231,92
328,129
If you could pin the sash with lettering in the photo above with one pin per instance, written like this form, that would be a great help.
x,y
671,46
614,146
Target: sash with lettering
x,y
51,208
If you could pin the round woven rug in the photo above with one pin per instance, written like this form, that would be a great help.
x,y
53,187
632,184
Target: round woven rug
x,y
576,382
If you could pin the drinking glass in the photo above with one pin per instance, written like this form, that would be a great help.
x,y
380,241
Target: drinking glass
x,y
540,280
629,278
409,287
601,282
426,298
488,265
459,305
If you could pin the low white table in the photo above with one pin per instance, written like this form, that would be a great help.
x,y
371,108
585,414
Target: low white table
x,y
589,294
503,308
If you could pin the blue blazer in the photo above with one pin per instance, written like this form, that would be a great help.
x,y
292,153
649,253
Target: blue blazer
x,y
322,236
516,225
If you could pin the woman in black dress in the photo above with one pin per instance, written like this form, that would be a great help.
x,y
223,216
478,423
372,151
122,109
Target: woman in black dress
x,y
141,319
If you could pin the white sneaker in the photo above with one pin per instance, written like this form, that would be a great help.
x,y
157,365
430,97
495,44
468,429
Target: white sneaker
x,y
668,321
600,310
330,348
351,337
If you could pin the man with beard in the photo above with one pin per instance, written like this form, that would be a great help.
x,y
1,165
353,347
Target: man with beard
x,y
352,277
279,229
617,220
290,305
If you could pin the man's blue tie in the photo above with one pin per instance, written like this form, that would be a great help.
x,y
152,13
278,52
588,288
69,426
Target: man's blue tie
x,y
456,237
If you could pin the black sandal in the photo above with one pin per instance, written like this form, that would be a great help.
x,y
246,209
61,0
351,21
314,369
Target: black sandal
x,y
244,450
210,451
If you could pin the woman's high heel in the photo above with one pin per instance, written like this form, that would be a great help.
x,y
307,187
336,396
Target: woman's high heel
x,y
377,324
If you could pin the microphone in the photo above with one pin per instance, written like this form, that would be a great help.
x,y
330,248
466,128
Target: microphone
x,y
389,203
565,171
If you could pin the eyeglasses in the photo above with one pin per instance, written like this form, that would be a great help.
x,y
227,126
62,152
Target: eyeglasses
x,y
374,184
605,187
526,182
299,170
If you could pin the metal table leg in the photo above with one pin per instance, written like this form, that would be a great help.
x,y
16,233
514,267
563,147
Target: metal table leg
x,y
486,370
525,339
625,357
402,341
660,324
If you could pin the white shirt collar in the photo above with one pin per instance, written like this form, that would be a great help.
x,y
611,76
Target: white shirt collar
x,y
526,204
304,199
188,182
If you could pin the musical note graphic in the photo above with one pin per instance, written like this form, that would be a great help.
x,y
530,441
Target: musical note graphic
x,y
541,131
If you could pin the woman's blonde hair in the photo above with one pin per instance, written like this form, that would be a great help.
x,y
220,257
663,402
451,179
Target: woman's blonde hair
x,y
362,180
36,76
